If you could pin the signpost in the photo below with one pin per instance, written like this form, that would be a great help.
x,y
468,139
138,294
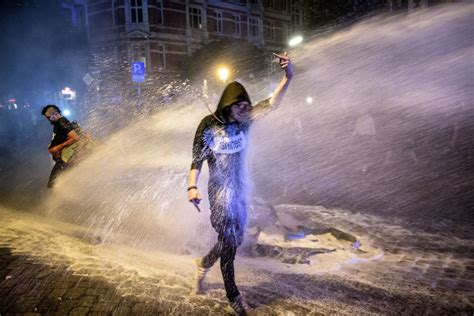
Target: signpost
x,y
138,76
138,71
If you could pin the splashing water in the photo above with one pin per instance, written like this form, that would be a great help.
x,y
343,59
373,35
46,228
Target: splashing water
x,y
378,120
367,105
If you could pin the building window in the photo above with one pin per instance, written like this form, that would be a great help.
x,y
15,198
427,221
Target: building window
x,y
195,18
136,11
219,22
254,27
272,30
296,17
155,12
236,24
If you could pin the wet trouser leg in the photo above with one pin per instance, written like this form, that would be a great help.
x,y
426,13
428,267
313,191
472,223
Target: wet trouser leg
x,y
214,254
59,167
225,249
229,249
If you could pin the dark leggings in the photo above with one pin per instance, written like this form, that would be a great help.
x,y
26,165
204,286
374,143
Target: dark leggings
x,y
225,249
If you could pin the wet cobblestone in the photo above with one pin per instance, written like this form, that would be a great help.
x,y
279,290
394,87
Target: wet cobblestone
x,y
29,288
408,281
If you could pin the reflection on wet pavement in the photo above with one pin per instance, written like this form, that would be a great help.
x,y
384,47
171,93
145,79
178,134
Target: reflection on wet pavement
x,y
416,272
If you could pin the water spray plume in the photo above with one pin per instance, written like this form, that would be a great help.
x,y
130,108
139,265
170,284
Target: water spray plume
x,y
383,152
378,87
392,71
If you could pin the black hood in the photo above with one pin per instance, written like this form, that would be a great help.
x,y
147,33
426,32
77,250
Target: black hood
x,y
233,93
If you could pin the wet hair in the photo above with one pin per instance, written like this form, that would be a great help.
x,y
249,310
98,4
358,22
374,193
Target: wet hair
x,y
43,111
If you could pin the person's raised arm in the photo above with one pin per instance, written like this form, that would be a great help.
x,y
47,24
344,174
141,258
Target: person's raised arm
x,y
264,107
279,93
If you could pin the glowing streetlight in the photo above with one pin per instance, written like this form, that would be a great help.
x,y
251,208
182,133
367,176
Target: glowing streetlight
x,y
295,41
66,90
223,73
68,94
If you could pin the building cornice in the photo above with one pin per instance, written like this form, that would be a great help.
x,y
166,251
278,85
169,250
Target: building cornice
x,y
136,34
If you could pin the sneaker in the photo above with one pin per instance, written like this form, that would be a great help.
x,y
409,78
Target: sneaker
x,y
199,276
239,306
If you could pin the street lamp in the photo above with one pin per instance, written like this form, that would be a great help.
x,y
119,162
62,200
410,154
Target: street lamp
x,y
68,94
223,73
295,41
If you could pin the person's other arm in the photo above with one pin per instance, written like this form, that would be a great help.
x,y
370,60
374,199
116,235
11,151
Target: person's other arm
x,y
193,192
72,137
198,157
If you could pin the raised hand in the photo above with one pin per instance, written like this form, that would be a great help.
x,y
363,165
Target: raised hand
x,y
285,63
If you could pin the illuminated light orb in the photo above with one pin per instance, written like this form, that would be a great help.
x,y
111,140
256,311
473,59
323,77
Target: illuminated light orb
x,y
295,41
223,73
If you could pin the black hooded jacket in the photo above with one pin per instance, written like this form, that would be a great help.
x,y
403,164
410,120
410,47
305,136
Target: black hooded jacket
x,y
216,137
223,143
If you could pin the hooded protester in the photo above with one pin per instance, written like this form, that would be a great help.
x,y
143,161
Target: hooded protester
x,y
221,140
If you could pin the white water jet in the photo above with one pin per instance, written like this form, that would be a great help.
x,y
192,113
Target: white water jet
x,y
408,73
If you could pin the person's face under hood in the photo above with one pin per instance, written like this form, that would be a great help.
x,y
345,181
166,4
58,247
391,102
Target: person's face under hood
x,y
240,112
235,104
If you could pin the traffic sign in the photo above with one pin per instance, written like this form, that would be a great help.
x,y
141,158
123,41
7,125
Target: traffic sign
x,y
138,71
87,79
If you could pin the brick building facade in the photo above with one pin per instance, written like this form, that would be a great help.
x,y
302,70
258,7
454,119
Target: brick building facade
x,y
164,33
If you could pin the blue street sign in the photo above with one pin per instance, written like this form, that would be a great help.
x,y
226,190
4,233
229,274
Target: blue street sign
x,y
138,71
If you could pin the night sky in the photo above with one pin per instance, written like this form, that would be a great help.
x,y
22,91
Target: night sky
x,y
40,48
